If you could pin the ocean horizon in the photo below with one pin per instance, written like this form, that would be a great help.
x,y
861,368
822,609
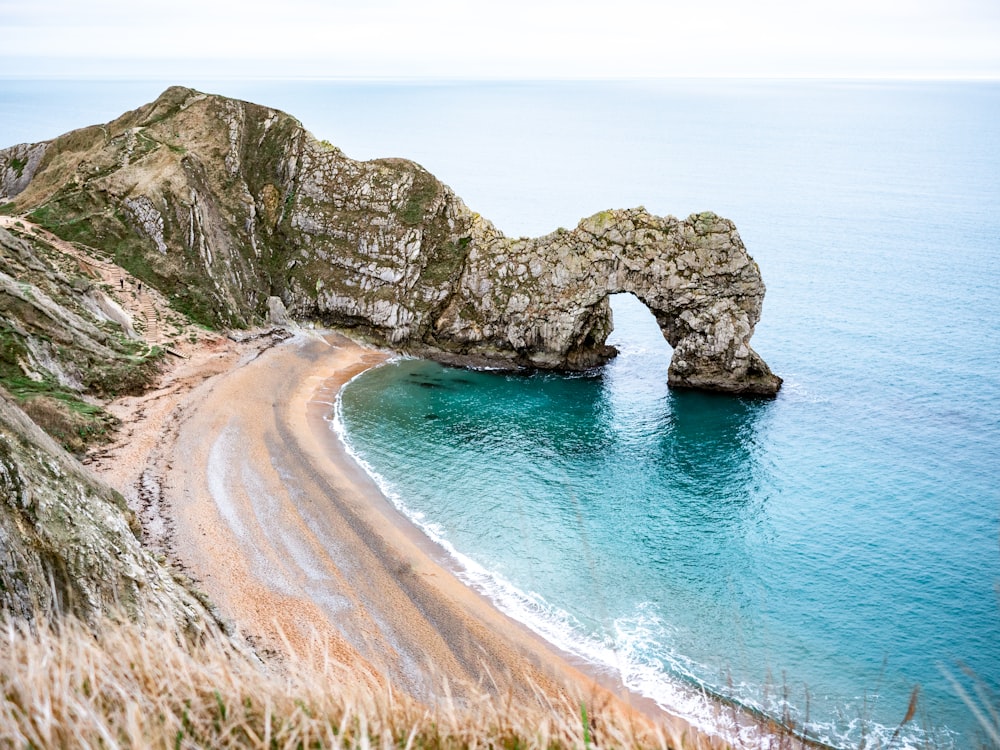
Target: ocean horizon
x,y
817,555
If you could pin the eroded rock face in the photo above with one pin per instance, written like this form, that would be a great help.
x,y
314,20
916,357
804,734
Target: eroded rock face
x,y
544,301
68,543
223,204
18,167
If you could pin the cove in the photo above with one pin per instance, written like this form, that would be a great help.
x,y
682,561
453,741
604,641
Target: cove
x,y
643,528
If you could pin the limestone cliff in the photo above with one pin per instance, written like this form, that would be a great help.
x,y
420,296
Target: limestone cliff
x,y
221,204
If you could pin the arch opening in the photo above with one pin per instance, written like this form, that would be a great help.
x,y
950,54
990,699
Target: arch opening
x,y
634,328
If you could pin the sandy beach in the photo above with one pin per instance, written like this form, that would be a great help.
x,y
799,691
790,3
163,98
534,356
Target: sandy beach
x,y
239,479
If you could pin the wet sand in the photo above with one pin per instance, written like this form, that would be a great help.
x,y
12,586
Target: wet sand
x,y
255,496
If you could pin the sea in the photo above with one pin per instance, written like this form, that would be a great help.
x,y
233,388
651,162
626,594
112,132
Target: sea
x,y
820,557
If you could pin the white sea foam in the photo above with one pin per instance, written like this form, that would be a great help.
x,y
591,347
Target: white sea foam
x,y
798,391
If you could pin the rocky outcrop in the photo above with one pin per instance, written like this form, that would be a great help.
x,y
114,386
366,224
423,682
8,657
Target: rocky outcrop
x,y
544,302
64,339
223,204
69,544
18,167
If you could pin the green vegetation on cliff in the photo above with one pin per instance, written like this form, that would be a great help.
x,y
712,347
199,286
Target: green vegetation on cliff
x,y
58,354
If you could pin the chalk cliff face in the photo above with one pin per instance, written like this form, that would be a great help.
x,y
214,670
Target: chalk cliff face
x,y
221,204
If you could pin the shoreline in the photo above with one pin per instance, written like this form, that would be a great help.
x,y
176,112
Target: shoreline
x,y
333,433
246,486
758,728
314,401
442,558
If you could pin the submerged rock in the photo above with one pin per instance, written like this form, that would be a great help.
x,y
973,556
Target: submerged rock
x,y
225,204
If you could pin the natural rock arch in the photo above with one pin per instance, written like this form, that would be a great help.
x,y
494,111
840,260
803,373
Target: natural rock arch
x,y
226,203
544,302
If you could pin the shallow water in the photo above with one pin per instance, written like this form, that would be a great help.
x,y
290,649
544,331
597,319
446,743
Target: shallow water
x,y
839,544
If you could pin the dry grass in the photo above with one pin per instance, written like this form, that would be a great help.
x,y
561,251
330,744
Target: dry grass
x,y
68,686
73,423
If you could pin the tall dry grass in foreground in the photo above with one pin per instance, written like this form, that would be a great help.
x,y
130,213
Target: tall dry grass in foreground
x,y
69,686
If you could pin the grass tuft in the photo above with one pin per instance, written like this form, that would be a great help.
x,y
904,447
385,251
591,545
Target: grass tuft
x,y
123,685
982,704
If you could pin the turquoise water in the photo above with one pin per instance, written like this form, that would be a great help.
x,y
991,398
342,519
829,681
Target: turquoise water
x,y
807,545
839,544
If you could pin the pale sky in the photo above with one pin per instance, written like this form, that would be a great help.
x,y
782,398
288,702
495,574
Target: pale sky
x,y
500,39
